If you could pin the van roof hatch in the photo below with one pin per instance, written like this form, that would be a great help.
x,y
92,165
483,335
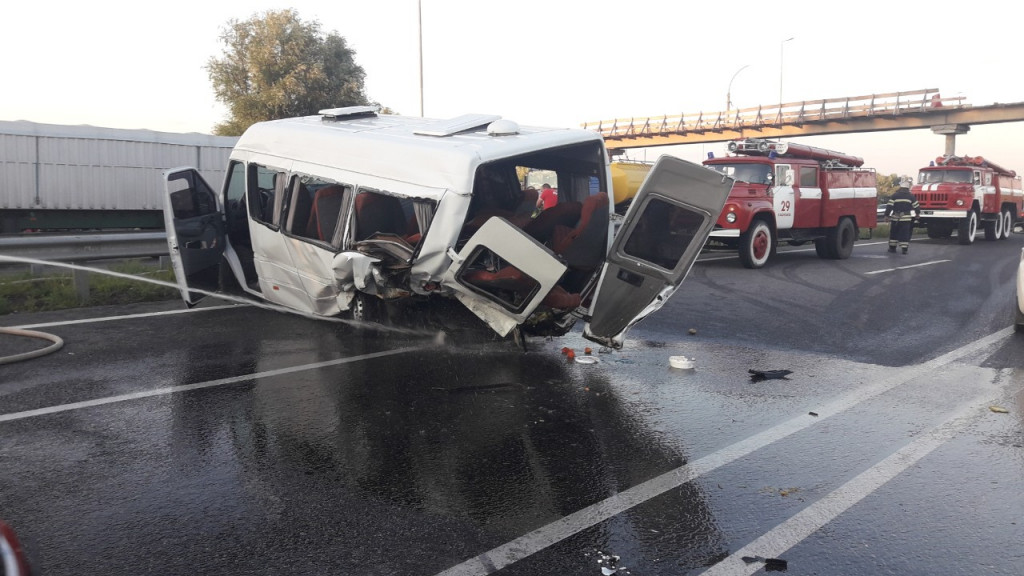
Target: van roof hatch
x,y
348,112
457,124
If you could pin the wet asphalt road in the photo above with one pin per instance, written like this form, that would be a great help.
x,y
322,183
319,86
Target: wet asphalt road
x,y
232,440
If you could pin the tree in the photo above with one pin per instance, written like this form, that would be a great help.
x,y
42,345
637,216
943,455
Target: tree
x,y
275,65
887,185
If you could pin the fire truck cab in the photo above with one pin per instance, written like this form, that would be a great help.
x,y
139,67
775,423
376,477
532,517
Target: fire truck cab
x,y
794,193
961,193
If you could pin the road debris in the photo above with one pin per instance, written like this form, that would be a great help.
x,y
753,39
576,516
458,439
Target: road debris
x,y
681,362
770,564
610,564
758,375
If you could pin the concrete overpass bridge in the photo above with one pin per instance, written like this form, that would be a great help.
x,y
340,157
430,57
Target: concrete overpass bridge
x,y
872,113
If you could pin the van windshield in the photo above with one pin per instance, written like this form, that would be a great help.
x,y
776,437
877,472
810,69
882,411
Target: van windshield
x,y
746,172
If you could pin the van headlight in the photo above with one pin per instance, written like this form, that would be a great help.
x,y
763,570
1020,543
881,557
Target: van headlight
x,y
959,202
730,217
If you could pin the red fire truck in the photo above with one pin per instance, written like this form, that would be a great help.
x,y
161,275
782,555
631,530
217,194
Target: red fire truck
x,y
794,193
961,192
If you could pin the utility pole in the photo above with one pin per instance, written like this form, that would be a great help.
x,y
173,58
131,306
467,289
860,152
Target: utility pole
x,y
419,9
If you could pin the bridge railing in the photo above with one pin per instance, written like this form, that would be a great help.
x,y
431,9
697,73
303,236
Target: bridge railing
x,y
792,113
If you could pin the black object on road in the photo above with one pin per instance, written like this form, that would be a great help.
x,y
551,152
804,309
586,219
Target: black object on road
x,y
758,375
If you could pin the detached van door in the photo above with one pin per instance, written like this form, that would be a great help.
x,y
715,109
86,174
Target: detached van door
x,y
660,238
195,232
502,274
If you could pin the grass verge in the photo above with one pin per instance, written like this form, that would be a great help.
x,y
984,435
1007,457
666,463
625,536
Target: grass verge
x,y
24,292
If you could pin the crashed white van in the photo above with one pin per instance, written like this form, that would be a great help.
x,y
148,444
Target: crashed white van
x,y
346,211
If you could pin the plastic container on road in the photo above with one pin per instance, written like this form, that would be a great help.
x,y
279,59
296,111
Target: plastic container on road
x,y
681,362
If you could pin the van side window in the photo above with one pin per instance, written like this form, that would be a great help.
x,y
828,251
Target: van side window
x,y
379,214
808,177
315,209
265,193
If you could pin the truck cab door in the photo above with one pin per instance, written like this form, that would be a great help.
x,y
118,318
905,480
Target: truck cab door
x,y
663,233
195,233
502,274
784,196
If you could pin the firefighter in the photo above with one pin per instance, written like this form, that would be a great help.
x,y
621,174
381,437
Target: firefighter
x,y
900,212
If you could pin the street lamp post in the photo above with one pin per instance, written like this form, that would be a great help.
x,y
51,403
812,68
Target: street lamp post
x,y
782,46
419,10
728,93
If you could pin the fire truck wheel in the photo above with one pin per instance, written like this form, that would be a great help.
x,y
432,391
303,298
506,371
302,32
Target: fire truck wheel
x,y
1007,217
967,228
840,239
756,244
994,228
821,248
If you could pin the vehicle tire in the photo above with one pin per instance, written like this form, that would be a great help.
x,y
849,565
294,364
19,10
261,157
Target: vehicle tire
x,y
994,228
1007,217
939,229
821,248
756,244
366,308
839,240
967,229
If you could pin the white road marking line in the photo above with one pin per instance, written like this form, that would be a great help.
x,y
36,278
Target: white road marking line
x,y
906,267
124,317
778,540
199,385
545,536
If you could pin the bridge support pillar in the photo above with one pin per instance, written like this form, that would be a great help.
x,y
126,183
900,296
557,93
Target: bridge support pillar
x,y
950,131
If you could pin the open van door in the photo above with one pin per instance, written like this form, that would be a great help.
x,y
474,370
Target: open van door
x,y
502,274
195,232
660,238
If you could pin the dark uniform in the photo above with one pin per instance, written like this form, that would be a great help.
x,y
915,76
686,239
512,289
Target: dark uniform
x,y
901,211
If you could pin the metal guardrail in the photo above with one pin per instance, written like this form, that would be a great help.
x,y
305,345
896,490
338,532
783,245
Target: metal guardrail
x,y
85,246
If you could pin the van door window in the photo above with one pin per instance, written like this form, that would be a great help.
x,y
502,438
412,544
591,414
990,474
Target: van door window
x,y
315,208
662,233
234,204
266,194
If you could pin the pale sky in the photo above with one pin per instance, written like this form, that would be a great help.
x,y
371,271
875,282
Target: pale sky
x,y
538,62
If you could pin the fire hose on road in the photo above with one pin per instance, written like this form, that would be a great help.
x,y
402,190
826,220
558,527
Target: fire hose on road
x,y
57,344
